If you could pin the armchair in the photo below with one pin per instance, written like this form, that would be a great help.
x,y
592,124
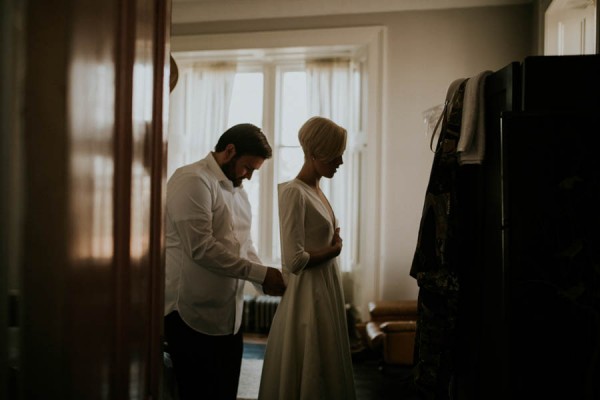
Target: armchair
x,y
392,330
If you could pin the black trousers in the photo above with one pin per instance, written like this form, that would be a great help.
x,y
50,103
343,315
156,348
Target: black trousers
x,y
205,366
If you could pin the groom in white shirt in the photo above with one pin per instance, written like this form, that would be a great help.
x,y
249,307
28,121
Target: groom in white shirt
x,y
209,256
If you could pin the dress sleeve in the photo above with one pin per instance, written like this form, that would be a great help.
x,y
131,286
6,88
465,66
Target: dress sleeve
x,y
292,208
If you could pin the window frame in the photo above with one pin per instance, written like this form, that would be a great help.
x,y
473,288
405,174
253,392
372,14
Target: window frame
x,y
370,42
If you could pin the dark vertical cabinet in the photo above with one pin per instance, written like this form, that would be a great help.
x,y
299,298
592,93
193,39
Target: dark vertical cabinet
x,y
530,286
481,363
551,185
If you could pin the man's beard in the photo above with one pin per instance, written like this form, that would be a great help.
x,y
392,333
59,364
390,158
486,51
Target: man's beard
x,y
229,171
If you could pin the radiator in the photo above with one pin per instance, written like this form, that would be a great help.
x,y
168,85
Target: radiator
x,y
259,312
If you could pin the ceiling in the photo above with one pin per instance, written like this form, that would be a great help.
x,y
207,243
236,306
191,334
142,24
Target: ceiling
x,y
189,11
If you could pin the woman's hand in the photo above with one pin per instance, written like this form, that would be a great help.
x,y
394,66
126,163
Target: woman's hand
x,y
336,242
326,253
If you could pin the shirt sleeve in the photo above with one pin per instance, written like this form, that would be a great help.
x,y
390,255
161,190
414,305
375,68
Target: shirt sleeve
x,y
256,275
190,209
291,226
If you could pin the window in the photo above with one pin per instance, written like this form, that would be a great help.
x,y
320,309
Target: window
x,y
365,47
247,107
273,94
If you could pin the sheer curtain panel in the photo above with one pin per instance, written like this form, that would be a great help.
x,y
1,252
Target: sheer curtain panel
x,y
329,94
199,109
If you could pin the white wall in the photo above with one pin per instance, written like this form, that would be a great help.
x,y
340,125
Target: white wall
x,y
426,51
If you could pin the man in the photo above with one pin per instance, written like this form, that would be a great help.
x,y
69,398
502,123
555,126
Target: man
x,y
209,256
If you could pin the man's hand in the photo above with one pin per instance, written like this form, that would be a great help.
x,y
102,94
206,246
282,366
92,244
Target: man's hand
x,y
273,284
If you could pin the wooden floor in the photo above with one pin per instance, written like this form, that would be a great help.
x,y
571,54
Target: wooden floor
x,y
372,382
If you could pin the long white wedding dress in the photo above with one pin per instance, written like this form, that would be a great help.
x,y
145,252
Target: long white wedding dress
x,y
308,350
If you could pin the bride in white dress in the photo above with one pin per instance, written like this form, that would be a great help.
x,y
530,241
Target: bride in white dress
x,y
308,350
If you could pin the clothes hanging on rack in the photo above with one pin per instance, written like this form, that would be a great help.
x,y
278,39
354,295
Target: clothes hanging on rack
x,y
471,145
434,263
442,245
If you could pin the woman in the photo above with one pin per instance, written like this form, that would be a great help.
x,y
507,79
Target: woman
x,y
308,350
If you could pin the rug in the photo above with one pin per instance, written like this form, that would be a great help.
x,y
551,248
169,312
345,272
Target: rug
x,y
254,351
249,379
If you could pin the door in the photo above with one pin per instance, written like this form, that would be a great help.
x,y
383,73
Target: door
x,y
570,28
89,275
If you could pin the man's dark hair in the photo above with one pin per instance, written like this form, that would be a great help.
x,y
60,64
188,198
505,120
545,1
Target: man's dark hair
x,y
248,139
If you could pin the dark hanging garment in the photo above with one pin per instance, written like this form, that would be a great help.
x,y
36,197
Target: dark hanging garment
x,y
435,262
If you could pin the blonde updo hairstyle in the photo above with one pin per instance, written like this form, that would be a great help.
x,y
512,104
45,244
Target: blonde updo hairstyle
x,y
322,139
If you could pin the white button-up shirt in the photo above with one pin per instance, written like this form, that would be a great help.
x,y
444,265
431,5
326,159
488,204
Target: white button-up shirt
x,y
209,251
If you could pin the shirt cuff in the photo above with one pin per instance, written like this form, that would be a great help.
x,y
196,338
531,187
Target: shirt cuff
x,y
257,273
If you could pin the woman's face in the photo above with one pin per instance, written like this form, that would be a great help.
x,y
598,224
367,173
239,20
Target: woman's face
x,y
328,168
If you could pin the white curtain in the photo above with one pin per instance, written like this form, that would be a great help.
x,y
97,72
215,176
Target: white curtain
x,y
199,109
329,89
330,94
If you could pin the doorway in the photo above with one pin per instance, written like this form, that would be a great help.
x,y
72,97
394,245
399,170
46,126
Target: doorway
x,y
571,27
